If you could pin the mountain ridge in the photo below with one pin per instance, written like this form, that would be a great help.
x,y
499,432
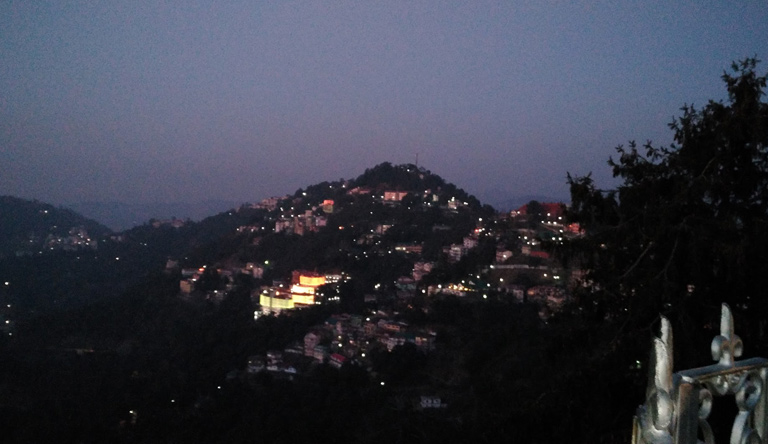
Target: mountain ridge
x,y
121,216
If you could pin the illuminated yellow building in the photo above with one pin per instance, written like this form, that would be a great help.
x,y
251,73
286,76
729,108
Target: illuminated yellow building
x,y
271,304
303,299
311,281
302,292
304,285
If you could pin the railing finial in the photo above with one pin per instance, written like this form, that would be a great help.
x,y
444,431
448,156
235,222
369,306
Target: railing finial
x,y
656,416
677,406
727,345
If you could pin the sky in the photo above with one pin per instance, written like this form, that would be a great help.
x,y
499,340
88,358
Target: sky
x,y
179,101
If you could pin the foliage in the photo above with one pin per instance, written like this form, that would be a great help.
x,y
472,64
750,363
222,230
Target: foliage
x,y
688,225
686,229
399,177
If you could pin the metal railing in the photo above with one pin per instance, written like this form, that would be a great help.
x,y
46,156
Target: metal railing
x,y
677,405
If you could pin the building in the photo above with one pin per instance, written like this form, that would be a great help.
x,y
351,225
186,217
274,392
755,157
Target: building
x,y
394,196
409,248
336,360
420,269
311,340
275,300
187,286
304,285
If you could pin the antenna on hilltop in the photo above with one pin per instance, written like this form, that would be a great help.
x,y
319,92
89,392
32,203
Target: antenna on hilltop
x,y
417,160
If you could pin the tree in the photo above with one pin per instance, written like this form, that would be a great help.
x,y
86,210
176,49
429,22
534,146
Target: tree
x,y
534,211
687,228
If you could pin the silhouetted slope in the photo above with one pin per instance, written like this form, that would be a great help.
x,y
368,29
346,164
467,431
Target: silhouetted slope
x,y
123,216
25,225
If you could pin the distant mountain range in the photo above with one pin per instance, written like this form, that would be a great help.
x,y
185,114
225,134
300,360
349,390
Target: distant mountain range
x,y
121,216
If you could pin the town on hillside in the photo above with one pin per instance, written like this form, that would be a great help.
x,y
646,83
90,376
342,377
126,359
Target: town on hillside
x,y
396,280
427,241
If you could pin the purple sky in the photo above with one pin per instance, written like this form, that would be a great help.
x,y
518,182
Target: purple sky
x,y
146,101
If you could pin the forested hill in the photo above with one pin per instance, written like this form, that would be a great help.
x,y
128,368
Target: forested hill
x,y
83,261
129,354
27,226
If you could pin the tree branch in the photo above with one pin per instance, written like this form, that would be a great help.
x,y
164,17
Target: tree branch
x,y
637,262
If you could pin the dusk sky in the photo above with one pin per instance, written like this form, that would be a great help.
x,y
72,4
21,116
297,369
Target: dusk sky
x,y
160,101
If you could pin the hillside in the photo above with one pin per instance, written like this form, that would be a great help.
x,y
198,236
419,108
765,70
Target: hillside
x,y
353,225
26,227
163,332
82,262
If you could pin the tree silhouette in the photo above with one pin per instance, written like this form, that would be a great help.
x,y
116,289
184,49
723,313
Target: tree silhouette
x,y
687,228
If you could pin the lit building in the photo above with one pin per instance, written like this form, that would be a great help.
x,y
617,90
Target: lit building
x,y
303,295
273,301
394,196
409,248
333,277
304,285
311,280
